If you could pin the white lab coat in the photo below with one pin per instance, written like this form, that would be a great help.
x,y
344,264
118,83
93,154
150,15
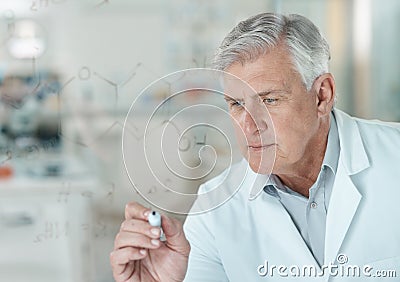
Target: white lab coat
x,y
363,220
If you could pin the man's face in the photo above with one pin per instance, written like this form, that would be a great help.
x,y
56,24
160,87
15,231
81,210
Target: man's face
x,y
279,119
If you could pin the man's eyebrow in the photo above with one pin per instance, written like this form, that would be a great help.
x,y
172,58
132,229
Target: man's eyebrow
x,y
229,98
260,94
274,91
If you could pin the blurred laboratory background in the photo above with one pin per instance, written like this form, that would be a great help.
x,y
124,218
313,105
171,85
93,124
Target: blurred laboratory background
x,y
69,72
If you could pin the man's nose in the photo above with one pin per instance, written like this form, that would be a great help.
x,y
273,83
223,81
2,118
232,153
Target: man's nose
x,y
254,121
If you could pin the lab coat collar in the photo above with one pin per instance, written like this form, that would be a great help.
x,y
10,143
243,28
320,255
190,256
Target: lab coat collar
x,y
345,196
343,205
281,226
352,148
258,182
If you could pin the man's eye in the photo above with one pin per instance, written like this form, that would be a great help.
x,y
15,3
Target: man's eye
x,y
270,101
236,104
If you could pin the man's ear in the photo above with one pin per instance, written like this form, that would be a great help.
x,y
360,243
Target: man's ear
x,y
324,87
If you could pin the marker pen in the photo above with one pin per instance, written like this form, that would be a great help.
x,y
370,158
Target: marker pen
x,y
154,219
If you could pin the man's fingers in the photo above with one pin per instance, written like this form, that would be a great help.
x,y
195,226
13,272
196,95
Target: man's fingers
x,y
136,210
129,239
176,239
142,227
119,258
126,274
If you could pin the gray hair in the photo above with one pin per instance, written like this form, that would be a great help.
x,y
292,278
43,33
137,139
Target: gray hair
x,y
253,37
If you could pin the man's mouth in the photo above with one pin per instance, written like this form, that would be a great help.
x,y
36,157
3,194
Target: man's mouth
x,y
258,147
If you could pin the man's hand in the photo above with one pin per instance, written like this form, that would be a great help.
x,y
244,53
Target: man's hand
x,y
138,253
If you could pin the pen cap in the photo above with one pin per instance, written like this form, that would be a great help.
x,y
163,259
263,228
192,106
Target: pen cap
x,y
154,219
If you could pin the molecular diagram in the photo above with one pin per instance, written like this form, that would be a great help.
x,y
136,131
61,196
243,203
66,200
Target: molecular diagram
x,y
35,87
8,17
41,87
89,106
37,5
56,229
85,74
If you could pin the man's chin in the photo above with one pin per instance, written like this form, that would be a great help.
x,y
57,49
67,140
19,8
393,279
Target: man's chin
x,y
261,163
261,168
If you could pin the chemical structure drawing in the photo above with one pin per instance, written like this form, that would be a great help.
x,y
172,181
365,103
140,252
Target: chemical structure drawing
x,y
201,64
117,86
63,196
37,5
55,230
90,105
7,26
104,2
109,194
156,190
29,152
8,156
85,74
40,4
18,100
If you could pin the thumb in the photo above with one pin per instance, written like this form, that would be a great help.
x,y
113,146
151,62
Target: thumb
x,y
176,239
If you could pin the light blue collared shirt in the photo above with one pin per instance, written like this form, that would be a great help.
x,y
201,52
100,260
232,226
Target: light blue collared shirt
x,y
309,214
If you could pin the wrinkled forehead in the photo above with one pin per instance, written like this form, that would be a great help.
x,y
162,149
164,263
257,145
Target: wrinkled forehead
x,y
234,87
267,73
238,88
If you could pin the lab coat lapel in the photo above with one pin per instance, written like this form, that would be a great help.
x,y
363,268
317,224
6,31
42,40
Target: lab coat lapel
x,y
345,197
283,225
342,208
284,229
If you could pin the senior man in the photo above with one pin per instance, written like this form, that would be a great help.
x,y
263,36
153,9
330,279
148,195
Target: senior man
x,y
331,199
